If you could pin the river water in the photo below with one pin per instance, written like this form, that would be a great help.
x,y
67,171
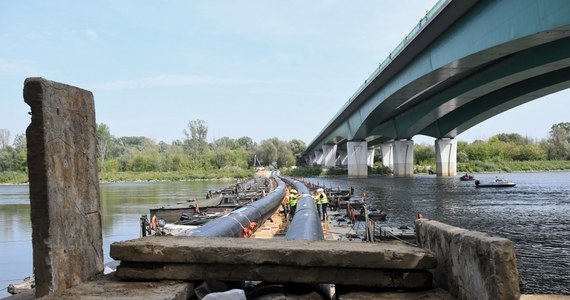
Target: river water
x,y
534,215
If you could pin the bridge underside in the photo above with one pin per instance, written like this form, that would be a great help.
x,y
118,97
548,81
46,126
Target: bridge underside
x,y
493,56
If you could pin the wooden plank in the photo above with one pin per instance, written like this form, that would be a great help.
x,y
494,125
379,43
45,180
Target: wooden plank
x,y
229,251
408,279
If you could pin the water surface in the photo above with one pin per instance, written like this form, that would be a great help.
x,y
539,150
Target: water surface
x,y
534,215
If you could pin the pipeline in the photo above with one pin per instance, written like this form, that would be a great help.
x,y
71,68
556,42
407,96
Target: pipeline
x,y
244,220
306,223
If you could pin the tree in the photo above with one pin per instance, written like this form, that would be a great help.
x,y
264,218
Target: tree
x,y
424,154
4,137
247,143
20,143
298,147
559,141
514,138
104,141
267,153
225,142
196,138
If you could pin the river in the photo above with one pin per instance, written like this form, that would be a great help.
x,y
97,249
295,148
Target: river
x,y
534,215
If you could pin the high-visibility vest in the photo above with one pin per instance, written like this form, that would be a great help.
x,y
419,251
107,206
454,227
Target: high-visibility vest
x,y
293,200
323,198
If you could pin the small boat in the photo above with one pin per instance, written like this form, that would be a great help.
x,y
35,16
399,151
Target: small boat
x,y
498,183
218,204
375,214
467,177
402,232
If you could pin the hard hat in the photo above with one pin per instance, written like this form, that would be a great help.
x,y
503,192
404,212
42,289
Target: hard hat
x,y
320,190
294,191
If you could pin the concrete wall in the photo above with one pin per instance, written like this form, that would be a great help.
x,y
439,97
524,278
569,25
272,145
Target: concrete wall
x,y
470,264
64,185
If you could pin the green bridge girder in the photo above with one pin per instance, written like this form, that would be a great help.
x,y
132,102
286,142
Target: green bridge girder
x,y
495,56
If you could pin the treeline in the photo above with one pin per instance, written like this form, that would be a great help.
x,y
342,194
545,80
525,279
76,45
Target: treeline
x,y
140,158
223,156
191,157
505,152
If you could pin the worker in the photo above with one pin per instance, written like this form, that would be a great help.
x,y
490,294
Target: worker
x,y
318,203
293,199
324,201
285,203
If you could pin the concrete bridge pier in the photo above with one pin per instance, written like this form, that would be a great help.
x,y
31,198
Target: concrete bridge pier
x,y
446,157
388,155
370,158
319,157
342,159
403,154
329,155
312,159
357,159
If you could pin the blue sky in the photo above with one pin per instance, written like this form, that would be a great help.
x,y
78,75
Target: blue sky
x,y
261,69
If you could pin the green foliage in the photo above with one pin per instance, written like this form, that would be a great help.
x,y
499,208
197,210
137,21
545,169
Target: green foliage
x,y
298,147
16,177
424,154
335,171
379,169
276,153
135,158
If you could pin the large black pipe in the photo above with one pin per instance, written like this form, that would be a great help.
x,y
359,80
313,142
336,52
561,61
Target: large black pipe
x,y
306,223
233,224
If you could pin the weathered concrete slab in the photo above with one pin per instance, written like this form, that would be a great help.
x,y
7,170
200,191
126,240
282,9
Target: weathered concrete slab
x,y
471,265
64,185
231,251
108,287
352,294
411,279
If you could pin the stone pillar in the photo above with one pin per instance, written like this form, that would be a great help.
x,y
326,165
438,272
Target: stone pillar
x,y
388,155
64,186
446,157
403,151
329,155
341,159
357,155
319,158
370,157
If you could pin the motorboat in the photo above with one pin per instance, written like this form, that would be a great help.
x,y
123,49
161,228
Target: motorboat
x,y
467,177
498,183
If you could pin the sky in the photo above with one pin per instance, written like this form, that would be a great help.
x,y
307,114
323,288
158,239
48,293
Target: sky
x,y
261,69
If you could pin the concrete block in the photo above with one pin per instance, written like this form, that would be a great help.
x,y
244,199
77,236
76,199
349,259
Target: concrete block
x,y
318,253
351,293
64,185
471,265
109,287
407,279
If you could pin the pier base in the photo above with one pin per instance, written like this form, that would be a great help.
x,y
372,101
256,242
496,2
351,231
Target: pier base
x,y
357,159
446,157
403,152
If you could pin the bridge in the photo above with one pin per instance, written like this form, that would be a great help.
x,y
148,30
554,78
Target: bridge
x,y
464,62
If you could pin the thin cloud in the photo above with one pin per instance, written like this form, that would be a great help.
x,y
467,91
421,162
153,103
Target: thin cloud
x,y
171,81
92,34
16,66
